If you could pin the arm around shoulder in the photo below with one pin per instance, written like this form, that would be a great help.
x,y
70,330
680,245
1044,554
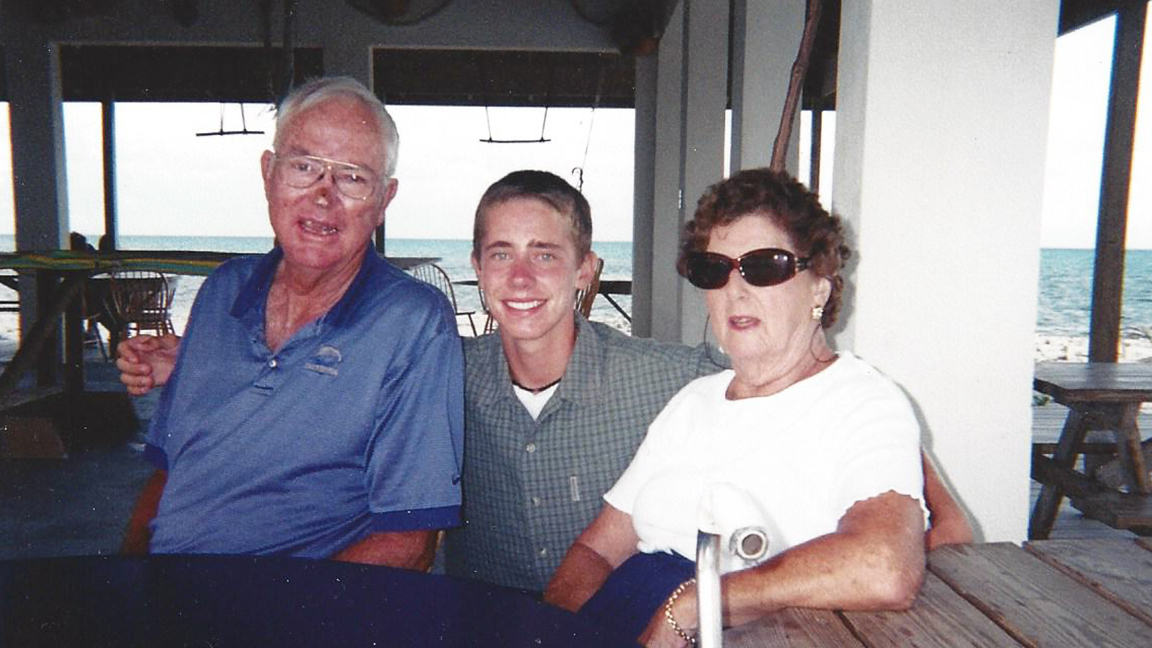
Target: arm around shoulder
x,y
601,548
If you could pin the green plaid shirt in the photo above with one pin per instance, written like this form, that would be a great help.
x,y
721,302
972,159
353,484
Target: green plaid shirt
x,y
531,487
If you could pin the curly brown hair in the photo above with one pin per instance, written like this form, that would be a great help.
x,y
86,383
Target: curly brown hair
x,y
816,233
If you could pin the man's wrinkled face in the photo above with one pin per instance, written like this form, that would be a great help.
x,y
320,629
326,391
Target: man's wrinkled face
x,y
320,228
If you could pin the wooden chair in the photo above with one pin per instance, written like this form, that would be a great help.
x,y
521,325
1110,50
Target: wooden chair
x,y
141,300
584,298
433,274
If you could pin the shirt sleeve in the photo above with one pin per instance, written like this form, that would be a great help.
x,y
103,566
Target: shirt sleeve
x,y
879,449
414,460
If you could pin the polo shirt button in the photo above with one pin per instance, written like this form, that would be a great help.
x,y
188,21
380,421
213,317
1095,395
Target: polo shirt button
x,y
530,448
535,501
543,552
272,363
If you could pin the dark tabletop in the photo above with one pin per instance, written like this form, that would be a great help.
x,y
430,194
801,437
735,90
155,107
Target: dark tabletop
x,y
244,601
1095,381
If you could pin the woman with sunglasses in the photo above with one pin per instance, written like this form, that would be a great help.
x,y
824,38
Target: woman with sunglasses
x,y
806,443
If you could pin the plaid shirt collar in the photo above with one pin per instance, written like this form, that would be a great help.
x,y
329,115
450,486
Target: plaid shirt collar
x,y
581,381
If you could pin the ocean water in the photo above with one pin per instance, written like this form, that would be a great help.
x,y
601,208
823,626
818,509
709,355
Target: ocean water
x,y
1064,306
1065,301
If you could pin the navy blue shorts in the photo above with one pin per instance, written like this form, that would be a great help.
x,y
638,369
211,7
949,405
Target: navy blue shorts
x,y
637,590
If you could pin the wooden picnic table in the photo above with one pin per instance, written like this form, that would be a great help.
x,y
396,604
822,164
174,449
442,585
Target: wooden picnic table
x,y
1100,397
1047,593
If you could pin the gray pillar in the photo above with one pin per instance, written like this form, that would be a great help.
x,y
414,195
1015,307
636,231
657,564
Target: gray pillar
x,y
765,38
37,122
667,184
643,194
692,83
108,125
38,175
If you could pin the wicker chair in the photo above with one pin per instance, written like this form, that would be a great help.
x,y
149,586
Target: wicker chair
x,y
435,275
141,300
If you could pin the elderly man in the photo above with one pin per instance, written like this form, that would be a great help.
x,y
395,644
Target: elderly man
x,y
315,406
556,405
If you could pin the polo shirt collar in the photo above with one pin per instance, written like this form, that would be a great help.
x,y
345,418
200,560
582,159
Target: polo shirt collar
x,y
253,296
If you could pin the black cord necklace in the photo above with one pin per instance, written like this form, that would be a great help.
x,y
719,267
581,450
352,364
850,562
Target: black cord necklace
x,y
537,390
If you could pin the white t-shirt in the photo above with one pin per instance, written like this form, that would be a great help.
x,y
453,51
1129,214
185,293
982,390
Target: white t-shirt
x,y
802,457
534,402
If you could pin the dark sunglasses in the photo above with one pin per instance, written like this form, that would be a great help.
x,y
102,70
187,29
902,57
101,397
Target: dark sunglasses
x,y
763,267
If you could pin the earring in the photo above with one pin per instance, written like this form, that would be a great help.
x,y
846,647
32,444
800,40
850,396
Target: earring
x,y
817,312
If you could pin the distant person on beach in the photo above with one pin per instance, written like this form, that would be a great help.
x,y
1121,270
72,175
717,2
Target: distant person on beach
x,y
77,242
555,405
314,406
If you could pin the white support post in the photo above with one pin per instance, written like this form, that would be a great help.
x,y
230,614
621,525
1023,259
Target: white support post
x,y
942,116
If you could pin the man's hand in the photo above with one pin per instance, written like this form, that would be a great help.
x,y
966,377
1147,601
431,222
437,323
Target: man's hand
x,y
146,361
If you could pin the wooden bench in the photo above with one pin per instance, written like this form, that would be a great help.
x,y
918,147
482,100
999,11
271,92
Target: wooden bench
x,y
1048,422
1132,512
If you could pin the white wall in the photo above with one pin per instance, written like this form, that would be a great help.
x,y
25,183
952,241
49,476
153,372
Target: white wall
x,y
941,131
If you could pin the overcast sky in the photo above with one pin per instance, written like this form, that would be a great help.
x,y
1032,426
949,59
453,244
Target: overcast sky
x,y
210,186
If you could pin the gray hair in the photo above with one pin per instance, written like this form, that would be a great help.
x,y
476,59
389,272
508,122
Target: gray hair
x,y
316,91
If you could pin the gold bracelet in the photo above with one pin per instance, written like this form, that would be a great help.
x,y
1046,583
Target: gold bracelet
x,y
668,612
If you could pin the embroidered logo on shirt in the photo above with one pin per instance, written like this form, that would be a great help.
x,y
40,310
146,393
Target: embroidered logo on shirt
x,y
325,360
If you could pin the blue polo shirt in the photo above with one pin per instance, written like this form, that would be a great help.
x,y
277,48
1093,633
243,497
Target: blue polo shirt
x,y
354,426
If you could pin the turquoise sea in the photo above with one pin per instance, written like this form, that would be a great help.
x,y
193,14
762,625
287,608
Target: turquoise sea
x,y
1064,300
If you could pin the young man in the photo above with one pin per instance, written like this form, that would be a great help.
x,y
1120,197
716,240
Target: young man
x,y
555,405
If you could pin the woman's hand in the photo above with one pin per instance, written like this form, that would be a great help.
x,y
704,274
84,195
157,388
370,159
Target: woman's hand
x,y
602,547
660,633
